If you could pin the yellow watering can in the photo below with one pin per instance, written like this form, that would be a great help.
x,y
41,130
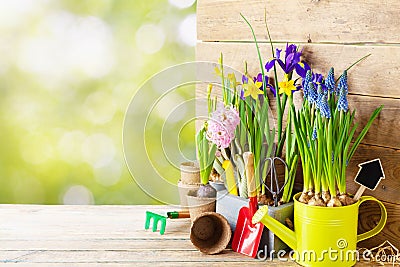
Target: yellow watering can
x,y
322,236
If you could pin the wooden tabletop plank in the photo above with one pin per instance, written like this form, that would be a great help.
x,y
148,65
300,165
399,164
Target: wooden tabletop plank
x,y
160,264
93,244
38,235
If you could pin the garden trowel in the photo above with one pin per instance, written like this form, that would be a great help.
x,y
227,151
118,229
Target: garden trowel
x,y
246,238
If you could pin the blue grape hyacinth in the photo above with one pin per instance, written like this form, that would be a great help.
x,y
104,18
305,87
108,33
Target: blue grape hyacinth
x,y
312,94
330,81
324,107
320,96
342,102
314,134
342,83
306,82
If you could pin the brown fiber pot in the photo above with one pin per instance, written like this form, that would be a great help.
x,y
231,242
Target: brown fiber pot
x,y
210,233
183,191
190,173
199,205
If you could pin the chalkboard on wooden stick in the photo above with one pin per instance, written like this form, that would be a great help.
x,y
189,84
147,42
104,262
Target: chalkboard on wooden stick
x,y
369,175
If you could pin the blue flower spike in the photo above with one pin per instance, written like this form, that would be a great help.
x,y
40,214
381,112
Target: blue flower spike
x,y
320,96
343,104
314,134
306,82
312,93
324,107
342,83
330,80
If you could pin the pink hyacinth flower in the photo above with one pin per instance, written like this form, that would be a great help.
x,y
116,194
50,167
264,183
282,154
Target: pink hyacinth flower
x,y
222,125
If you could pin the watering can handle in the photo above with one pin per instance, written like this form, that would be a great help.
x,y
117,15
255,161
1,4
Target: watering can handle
x,y
381,223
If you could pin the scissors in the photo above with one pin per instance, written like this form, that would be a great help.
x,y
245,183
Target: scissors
x,y
274,189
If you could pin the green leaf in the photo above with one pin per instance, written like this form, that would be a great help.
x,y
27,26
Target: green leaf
x,y
364,131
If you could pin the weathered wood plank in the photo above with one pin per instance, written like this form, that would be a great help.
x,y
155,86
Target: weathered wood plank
x,y
6,256
375,76
145,257
89,223
382,132
164,264
369,218
169,264
62,250
94,244
363,90
388,190
300,20
161,264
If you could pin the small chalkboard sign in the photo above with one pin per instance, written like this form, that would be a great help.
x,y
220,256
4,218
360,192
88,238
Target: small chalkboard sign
x,y
369,175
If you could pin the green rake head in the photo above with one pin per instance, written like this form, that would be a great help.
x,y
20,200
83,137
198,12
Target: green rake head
x,y
163,219
156,218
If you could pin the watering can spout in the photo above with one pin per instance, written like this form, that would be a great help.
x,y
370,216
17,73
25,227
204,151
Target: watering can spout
x,y
284,233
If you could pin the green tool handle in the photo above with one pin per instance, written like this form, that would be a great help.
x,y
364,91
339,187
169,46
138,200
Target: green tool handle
x,y
178,214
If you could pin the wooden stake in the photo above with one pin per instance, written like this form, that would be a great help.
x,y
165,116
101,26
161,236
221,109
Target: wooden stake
x,y
359,192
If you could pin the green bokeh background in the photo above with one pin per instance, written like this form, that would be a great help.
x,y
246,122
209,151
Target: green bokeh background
x,y
68,70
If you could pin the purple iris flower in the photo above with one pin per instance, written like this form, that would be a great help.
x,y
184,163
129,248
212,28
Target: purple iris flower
x,y
317,79
242,95
258,78
245,79
292,59
302,68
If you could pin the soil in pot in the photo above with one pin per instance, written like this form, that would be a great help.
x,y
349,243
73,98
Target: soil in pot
x,y
210,233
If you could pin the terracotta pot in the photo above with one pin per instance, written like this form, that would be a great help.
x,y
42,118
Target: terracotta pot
x,y
210,233
190,173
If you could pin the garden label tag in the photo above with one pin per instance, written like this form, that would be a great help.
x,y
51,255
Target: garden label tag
x,y
369,175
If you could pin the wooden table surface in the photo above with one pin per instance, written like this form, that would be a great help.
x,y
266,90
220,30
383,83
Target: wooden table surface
x,y
39,235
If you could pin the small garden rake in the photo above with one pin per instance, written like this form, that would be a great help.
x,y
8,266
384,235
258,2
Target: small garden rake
x,y
163,219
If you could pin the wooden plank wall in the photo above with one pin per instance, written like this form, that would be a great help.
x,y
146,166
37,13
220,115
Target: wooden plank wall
x,y
332,33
